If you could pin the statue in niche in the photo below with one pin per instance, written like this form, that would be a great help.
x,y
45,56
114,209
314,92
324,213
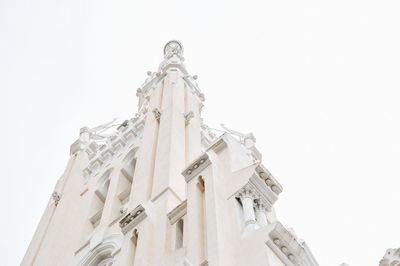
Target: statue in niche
x,y
96,133
391,258
248,140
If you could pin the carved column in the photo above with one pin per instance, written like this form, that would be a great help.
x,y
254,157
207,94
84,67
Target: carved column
x,y
261,214
247,198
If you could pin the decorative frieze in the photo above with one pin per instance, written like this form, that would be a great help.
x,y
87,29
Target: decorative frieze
x,y
285,245
196,167
269,180
132,219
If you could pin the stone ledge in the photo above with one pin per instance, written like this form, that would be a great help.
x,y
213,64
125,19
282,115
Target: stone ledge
x,y
132,219
196,167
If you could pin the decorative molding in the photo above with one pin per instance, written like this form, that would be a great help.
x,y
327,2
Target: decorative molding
x,y
178,212
128,134
218,145
132,219
56,197
264,194
105,250
259,191
259,206
269,180
285,245
196,167
246,192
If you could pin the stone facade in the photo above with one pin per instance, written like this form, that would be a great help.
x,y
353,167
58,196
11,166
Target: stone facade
x,y
165,189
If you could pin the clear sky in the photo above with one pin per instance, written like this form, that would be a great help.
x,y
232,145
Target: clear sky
x,y
317,82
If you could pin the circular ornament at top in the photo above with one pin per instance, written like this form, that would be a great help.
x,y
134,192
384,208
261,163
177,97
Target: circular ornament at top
x,y
173,47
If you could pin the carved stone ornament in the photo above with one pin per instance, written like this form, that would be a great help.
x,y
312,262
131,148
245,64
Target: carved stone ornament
x,y
188,116
132,219
173,47
157,113
246,192
56,197
269,180
391,258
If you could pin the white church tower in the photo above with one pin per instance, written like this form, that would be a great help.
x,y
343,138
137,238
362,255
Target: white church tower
x,y
164,189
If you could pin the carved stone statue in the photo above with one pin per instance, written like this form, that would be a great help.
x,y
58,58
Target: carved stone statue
x,y
87,134
248,140
391,258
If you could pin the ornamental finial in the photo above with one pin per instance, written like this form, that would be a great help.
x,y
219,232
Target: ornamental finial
x,y
173,47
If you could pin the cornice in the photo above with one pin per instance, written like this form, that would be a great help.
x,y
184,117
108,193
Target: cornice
x,y
269,180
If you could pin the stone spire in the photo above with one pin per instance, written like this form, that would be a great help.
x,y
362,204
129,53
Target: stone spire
x,y
162,189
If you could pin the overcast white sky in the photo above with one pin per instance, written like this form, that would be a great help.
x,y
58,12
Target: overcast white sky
x,y
317,82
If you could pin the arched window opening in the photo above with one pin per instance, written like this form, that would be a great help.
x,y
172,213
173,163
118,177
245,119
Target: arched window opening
x,y
179,234
133,245
99,198
104,253
106,262
129,164
200,183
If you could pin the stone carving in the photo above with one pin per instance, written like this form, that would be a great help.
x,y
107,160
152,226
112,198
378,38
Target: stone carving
x,y
188,116
207,136
247,192
391,258
103,253
157,113
173,47
248,140
127,133
95,134
56,197
259,205
259,191
269,180
132,219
